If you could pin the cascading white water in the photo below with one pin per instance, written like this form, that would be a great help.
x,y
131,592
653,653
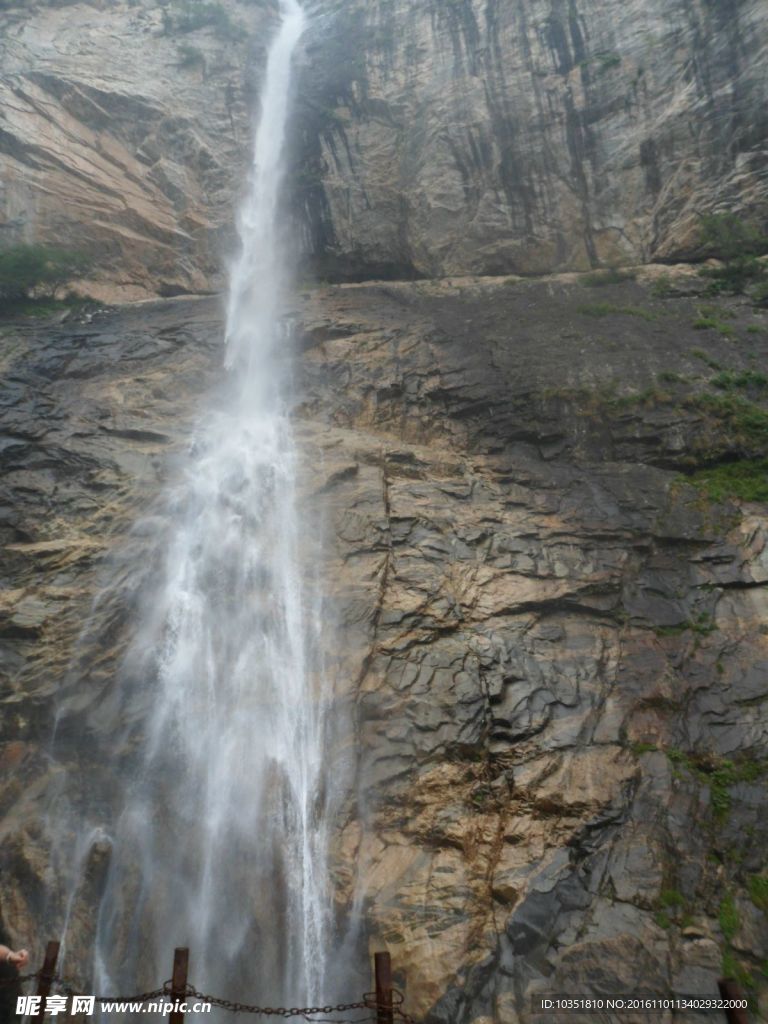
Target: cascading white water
x,y
222,842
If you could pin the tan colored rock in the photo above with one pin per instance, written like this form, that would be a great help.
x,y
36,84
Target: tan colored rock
x,y
526,596
112,146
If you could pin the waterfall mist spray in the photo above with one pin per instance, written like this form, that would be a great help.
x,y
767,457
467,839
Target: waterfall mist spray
x,y
222,842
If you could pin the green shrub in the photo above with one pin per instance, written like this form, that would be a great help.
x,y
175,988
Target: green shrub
x,y
747,420
644,748
738,244
34,270
746,479
729,380
735,278
662,287
671,898
709,323
702,625
718,774
730,238
191,57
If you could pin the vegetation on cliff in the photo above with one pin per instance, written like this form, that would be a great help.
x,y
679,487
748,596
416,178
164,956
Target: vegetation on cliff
x,y
36,272
739,244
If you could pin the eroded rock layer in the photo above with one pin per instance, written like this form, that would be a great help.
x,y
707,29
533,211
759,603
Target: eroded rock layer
x,y
125,139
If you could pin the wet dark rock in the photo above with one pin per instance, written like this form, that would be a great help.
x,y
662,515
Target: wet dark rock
x,y
557,657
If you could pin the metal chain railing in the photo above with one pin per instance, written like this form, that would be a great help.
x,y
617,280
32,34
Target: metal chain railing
x,y
273,1011
19,979
368,1002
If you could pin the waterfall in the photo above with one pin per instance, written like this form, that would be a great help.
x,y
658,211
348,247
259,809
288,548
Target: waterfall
x,y
221,844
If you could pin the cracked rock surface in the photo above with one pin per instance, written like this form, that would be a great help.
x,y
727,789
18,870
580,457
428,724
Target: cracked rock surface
x,y
554,645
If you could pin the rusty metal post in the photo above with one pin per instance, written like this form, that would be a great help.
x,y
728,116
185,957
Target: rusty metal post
x,y
730,990
45,980
383,965
179,982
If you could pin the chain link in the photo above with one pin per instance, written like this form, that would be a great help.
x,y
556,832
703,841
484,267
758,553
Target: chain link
x,y
72,988
17,980
273,1011
368,1001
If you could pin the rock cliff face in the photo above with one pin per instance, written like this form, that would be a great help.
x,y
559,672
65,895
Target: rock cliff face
x,y
125,141
488,136
470,136
554,644
554,635
563,682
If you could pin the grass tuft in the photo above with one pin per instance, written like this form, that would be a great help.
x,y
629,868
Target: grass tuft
x,y
709,323
713,364
729,380
644,748
728,917
747,420
719,775
757,886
